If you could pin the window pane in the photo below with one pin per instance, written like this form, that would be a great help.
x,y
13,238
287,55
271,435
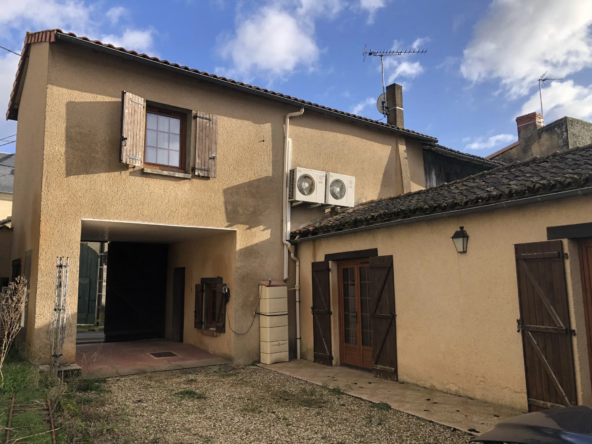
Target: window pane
x,y
151,155
175,126
151,121
351,336
150,138
163,123
366,339
366,322
174,142
163,140
174,158
163,157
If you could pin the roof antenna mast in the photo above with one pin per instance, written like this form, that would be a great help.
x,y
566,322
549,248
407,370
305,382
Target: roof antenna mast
x,y
543,82
382,106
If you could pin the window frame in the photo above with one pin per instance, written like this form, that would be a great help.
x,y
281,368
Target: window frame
x,y
182,168
209,287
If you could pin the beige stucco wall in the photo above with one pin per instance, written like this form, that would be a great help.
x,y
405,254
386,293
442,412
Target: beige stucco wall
x,y
456,313
5,205
83,178
26,210
209,257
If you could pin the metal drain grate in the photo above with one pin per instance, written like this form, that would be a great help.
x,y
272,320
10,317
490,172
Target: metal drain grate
x,y
159,355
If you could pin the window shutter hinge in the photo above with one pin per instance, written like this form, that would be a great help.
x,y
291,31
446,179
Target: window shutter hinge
x,y
200,117
135,101
565,255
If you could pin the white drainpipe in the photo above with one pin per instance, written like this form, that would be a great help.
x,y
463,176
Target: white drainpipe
x,y
288,249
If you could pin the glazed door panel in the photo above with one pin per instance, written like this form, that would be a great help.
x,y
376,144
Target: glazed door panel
x,y
355,333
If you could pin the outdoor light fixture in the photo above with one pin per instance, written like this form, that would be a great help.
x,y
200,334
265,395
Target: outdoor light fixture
x,y
461,240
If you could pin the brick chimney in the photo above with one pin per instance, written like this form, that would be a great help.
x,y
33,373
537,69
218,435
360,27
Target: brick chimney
x,y
529,123
394,102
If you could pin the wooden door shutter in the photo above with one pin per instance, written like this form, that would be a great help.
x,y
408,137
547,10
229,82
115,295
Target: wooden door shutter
x,y
545,325
133,129
383,318
321,313
220,309
199,298
206,145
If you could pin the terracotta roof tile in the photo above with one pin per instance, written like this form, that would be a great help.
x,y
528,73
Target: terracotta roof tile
x,y
54,34
538,176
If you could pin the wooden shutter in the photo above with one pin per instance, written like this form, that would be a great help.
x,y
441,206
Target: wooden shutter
x,y
133,129
199,298
545,325
383,317
321,313
220,309
206,145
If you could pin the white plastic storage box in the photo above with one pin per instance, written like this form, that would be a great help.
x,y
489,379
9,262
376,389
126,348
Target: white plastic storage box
x,y
273,321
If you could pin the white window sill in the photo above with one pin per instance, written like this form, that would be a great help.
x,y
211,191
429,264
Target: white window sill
x,y
166,173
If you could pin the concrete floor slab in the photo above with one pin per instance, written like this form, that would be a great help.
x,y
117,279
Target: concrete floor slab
x,y
130,358
464,414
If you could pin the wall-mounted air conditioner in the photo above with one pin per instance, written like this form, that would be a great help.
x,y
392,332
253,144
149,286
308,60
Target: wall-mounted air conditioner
x,y
307,185
340,190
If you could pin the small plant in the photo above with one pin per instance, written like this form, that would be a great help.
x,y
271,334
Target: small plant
x,y
91,385
190,394
337,391
12,304
381,406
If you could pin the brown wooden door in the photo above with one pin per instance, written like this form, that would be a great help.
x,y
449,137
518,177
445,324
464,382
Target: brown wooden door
x,y
586,267
354,312
321,313
383,317
545,325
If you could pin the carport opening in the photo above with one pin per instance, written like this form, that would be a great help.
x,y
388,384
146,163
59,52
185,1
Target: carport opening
x,y
123,281
121,291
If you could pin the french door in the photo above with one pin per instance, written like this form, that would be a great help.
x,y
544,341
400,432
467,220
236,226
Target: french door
x,y
355,335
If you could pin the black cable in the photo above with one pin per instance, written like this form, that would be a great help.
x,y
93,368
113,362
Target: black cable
x,y
10,50
8,137
8,143
252,321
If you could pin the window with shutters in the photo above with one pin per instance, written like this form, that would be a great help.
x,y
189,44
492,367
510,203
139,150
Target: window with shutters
x,y
210,300
165,139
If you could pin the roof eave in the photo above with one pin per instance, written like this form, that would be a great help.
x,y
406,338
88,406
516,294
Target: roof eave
x,y
578,192
460,156
227,83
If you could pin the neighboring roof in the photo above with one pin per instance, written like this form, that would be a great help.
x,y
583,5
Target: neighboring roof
x,y
6,173
557,172
57,34
460,155
503,150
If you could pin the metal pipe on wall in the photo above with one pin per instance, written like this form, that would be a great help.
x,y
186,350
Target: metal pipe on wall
x,y
288,248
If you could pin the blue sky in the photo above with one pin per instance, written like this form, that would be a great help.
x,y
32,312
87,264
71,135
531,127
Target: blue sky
x,y
479,74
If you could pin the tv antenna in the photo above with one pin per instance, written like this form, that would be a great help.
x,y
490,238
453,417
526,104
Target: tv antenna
x,y
543,82
381,103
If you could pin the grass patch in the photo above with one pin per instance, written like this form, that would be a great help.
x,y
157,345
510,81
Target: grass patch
x,y
29,422
337,391
305,397
91,385
190,395
381,406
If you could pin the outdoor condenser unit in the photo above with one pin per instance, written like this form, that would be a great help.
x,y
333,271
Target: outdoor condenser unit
x,y
340,190
307,185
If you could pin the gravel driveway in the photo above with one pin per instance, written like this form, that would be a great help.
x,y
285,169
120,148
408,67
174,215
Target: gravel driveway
x,y
244,405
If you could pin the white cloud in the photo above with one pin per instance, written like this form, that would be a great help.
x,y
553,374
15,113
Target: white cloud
x,y
371,7
396,67
562,99
481,143
273,42
115,13
518,40
137,40
357,109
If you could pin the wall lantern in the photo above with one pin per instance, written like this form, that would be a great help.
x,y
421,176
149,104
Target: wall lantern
x,y
461,240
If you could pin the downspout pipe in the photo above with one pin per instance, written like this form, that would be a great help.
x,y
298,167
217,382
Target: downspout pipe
x,y
288,248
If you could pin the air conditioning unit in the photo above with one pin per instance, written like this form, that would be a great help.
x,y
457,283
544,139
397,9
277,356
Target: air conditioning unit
x,y
307,185
340,190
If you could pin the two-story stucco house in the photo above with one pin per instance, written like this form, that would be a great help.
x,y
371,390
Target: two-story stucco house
x,y
184,174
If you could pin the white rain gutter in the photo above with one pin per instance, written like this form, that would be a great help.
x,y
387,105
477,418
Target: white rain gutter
x,y
288,248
